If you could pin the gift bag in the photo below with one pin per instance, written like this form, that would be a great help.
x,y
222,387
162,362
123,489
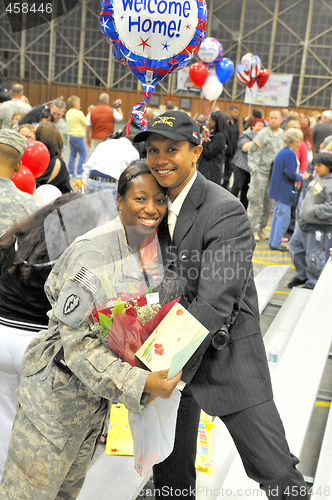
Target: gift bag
x,y
153,432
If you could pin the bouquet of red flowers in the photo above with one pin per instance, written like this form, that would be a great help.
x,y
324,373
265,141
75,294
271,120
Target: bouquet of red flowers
x,y
126,319
125,322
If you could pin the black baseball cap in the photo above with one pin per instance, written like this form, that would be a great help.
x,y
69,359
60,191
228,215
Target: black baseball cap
x,y
175,125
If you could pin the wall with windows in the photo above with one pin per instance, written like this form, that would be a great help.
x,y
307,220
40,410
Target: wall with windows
x,y
290,36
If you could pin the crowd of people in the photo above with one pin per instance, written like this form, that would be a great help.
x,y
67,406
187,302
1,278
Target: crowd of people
x,y
203,189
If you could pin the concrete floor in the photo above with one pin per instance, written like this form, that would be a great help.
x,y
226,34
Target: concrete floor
x,y
310,453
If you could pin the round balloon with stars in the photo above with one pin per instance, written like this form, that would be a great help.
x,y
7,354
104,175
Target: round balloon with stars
x,y
153,37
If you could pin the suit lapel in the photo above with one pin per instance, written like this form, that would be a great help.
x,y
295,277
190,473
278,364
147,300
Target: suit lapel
x,y
189,212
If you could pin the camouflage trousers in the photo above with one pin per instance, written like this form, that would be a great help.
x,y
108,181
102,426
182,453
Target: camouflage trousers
x,y
54,438
260,205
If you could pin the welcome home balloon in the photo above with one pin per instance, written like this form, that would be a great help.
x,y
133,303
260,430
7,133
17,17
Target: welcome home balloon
x,y
153,37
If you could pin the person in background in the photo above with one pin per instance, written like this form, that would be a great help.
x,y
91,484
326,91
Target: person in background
x,y
308,245
267,143
56,172
63,406
24,268
302,151
247,120
232,137
16,118
15,205
322,129
8,108
105,165
284,116
169,105
28,131
302,158
307,137
211,161
283,187
37,115
201,121
76,121
240,160
100,121
58,110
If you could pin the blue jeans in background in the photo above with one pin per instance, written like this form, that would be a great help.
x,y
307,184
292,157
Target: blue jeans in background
x,y
77,147
280,223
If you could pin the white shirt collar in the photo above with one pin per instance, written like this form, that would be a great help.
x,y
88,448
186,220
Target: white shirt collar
x,y
178,202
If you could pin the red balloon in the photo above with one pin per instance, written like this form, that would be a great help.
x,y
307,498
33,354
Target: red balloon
x,y
251,83
262,78
24,180
198,74
36,157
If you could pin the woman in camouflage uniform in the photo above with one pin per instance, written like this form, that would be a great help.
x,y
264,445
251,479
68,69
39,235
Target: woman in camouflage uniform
x,y
63,404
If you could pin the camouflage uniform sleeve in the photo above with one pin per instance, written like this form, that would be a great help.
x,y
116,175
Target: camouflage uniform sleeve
x,y
99,369
255,153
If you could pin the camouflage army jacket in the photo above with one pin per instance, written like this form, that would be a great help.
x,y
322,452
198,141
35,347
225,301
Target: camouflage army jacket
x,y
8,108
64,130
266,144
15,205
73,288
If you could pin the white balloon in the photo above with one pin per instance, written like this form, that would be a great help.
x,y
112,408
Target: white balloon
x,y
46,194
212,88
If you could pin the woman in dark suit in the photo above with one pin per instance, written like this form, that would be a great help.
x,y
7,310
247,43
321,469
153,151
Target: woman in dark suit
x,y
211,161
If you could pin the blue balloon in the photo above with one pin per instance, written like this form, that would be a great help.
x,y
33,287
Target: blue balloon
x,y
224,69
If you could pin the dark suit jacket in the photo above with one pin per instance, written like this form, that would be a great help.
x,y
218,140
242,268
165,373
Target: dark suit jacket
x,y
212,249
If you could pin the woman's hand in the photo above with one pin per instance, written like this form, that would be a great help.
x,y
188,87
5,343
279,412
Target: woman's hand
x,y
305,175
157,385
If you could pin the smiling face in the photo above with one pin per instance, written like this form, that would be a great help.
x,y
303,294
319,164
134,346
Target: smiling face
x,y
172,163
143,206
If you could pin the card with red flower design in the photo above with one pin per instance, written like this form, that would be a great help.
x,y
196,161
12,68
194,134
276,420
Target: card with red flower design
x,y
173,341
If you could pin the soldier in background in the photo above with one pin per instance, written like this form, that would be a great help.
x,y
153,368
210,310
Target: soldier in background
x,y
15,205
58,109
268,142
8,108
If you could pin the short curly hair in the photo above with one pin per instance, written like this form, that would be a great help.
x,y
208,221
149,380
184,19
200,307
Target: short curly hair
x,y
290,135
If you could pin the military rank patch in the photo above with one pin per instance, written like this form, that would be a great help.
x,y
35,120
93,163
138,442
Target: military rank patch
x,y
72,302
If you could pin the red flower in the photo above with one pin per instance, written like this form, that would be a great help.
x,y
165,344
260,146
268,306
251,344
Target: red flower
x,y
158,349
141,301
131,311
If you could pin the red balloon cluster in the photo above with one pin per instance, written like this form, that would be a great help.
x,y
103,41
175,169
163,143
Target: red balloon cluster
x,y
35,160
249,71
